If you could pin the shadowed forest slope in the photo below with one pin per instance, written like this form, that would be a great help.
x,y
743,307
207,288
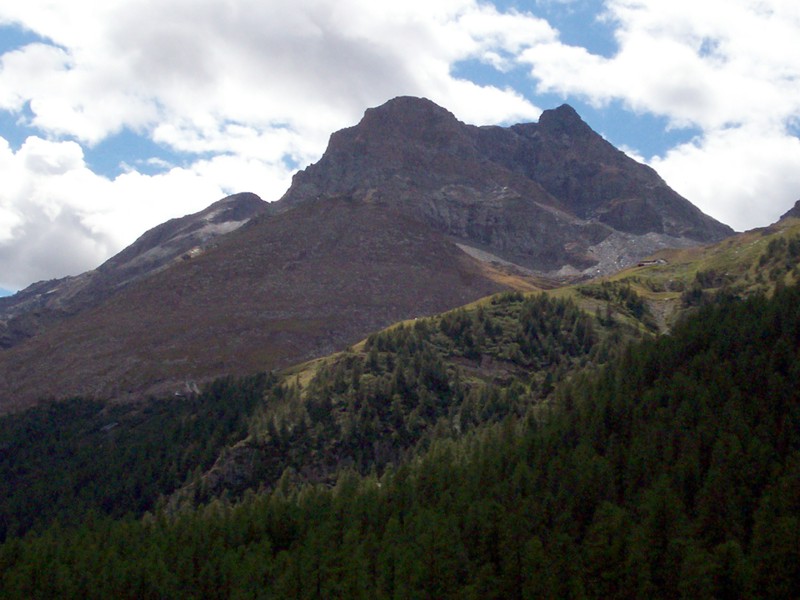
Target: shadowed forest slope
x,y
672,473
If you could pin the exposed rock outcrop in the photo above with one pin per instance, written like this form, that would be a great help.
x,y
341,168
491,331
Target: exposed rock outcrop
x,y
542,195
792,212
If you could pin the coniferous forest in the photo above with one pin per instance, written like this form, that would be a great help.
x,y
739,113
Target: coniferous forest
x,y
530,457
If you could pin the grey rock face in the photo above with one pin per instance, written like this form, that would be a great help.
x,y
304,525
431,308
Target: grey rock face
x,y
542,195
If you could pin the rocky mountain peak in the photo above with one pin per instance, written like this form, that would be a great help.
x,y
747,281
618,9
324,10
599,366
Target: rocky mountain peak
x,y
564,120
542,195
402,122
792,212
234,208
410,212
405,138
407,116
162,244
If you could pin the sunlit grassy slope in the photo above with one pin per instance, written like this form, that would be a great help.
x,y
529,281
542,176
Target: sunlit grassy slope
x,y
674,281
669,284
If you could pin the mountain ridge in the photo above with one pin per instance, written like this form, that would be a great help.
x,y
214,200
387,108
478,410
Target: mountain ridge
x,y
289,303
542,195
455,211
32,309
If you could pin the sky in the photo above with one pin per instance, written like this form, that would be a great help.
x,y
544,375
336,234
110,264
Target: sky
x,y
116,116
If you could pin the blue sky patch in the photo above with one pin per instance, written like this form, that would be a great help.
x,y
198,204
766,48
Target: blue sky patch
x,y
485,74
577,22
793,127
11,129
110,157
13,37
646,133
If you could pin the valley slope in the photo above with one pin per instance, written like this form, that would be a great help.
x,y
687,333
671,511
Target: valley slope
x,y
481,452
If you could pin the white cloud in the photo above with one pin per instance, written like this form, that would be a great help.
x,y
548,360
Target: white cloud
x,y
708,64
246,89
59,218
734,174
148,63
725,67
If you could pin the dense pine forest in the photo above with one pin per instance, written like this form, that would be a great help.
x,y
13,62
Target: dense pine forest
x,y
379,405
63,460
520,449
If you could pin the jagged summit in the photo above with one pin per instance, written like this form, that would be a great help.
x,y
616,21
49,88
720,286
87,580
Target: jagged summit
x,y
405,138
552,196
407,115
564,120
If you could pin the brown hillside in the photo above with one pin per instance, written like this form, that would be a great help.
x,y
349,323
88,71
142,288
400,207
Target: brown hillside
x,y
301,284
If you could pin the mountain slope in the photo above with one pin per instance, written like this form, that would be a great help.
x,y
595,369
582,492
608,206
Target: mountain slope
x,y
284,289
674,473
31,310
482,363
381,402
408,213
676,281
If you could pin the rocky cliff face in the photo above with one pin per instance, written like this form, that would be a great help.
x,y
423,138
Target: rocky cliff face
x,y
551,196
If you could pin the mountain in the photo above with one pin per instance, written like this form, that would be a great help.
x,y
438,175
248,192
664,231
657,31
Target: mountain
x,y
407,214
279,290
792,212
28,312
553,197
